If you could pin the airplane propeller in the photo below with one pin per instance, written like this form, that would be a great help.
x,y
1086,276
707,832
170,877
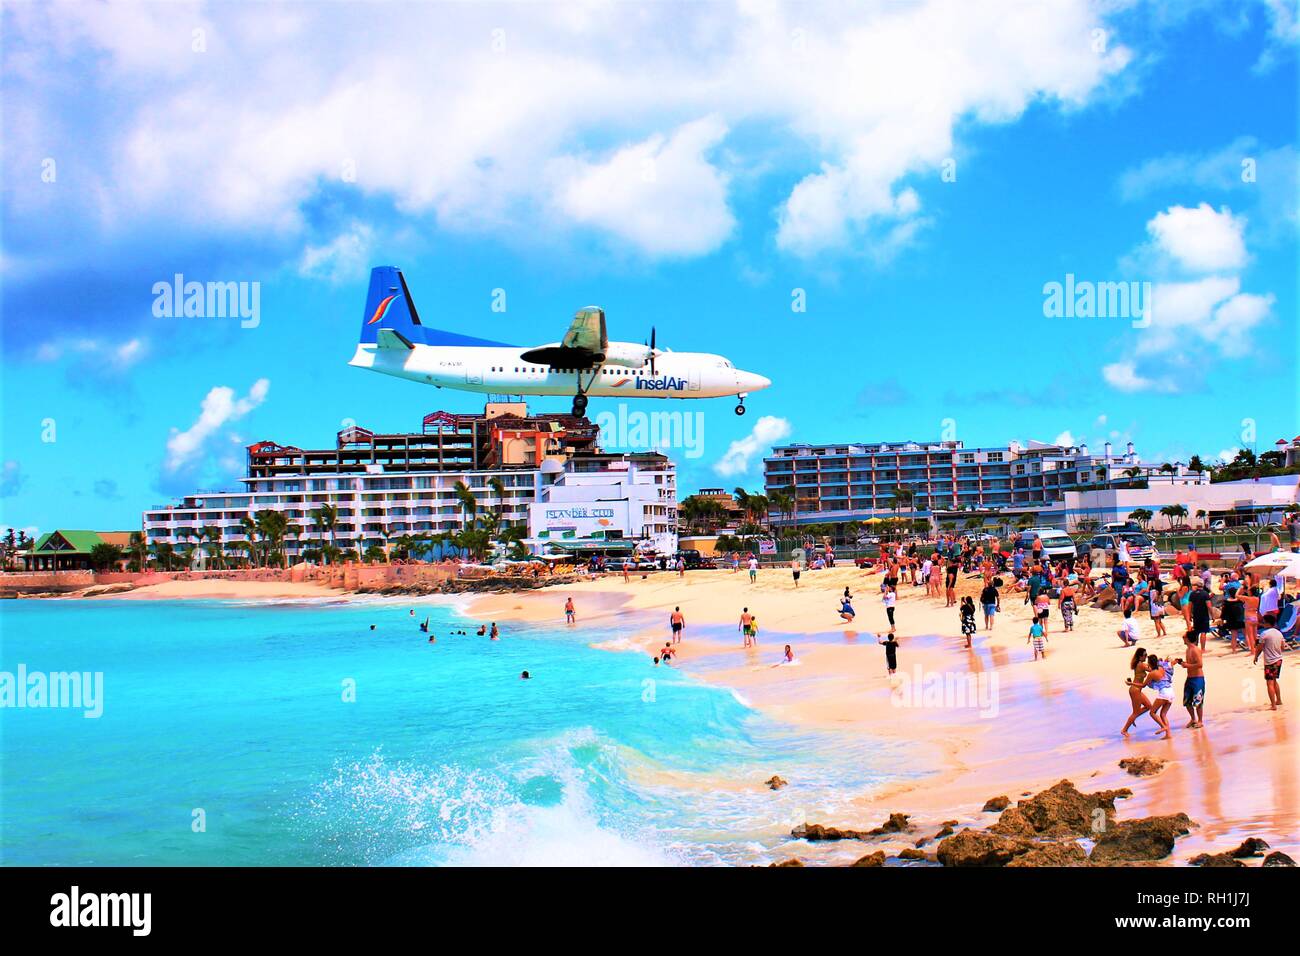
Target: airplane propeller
x,y
652,350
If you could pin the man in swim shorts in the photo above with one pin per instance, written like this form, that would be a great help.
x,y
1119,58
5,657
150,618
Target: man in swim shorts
x,y
677,622
1270,645
1194,683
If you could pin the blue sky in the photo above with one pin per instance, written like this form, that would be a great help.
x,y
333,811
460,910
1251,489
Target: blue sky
x,y
684,167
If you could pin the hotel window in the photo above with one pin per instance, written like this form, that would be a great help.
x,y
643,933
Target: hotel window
x,y
995,456
967,458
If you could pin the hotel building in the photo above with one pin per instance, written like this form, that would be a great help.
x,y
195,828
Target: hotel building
x,y
385,486
854,482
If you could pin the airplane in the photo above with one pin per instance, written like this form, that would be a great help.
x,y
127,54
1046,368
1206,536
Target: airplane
x,y
583,363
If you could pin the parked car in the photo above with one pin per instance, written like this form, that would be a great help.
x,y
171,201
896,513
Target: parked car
x,y
1118,527
1140,546
694,560
1056,543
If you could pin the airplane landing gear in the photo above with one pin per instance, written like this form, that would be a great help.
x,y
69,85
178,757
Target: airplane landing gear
x,y
740,408
579,405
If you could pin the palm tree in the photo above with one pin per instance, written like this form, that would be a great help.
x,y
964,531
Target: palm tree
x,y
139,550
165,554
468,503
1141,516
249,526
498,486
1173,511
1194,464
327,520
212,534
104,556
1133,472
273,525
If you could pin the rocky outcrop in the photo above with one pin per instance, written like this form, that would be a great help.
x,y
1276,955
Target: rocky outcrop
x,y
793,861
1067,853
980,848
815,831
996,804
1060,811
1214,859
775,783
1251,846
911,853
897,823
1278,858
871,859
99,590
1142,766
1150,838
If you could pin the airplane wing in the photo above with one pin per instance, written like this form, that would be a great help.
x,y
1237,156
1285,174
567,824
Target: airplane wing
x,y
583,346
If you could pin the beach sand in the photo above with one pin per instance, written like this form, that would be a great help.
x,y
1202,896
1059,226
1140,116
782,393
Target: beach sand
x,y
229,590
1022,726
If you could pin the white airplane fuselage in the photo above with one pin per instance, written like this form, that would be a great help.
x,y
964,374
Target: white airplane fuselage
x,y
502,370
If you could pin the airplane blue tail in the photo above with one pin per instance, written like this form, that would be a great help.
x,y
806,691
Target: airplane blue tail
x,y
389,306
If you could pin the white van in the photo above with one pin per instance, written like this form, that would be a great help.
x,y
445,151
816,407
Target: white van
x,y
1056,543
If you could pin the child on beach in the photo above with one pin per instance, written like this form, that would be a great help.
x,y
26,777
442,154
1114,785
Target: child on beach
x,y
1157,612
1038,638
747,627
1128,631
890,598
846,610
891,652
968,618
570,615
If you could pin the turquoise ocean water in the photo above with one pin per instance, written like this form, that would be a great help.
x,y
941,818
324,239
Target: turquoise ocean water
x,y
444,757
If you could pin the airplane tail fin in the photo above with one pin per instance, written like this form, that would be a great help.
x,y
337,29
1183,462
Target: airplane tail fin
x,y
388,306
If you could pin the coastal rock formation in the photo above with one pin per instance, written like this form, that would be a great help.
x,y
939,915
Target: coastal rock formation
x,y
979,848
1214,859
897,823
1059,811
1067,853
1278,858
996,804
99,590
815,831
1251,846
775,783
793,861
911,853
1150,838
871,859
1142,766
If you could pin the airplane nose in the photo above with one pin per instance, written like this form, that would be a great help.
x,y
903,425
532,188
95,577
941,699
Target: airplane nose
x,y
751,382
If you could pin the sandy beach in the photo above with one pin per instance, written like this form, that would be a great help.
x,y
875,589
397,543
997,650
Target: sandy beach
x,y
1005,726
224,589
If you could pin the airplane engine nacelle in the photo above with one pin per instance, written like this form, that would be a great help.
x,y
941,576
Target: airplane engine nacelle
x,y
626,354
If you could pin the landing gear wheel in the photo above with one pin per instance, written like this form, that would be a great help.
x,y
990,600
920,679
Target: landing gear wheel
x,y
740,409
579,405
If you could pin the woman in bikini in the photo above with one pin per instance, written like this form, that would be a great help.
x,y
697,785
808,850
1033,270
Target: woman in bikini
x,y
1136,687
1250,598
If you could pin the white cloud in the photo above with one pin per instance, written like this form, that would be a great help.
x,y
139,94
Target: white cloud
x,y
1065,439
471,110
345,257
662,195
1124,377
113,356
219,407
740,453
1200,240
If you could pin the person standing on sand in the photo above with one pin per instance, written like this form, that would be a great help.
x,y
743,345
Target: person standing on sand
x,y
991,600
753,569
1194,682
950,580
794,570
570,614
1270,645
968,618
1232,617
891,652
1157,610
1038,638
1201,601
1136,689
676,621
747,626
890,598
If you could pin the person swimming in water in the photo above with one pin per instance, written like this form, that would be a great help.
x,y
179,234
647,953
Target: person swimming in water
x,y
495,634
525,676
482,629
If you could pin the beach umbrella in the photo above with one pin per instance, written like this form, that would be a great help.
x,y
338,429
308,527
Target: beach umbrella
x,y
1279,563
